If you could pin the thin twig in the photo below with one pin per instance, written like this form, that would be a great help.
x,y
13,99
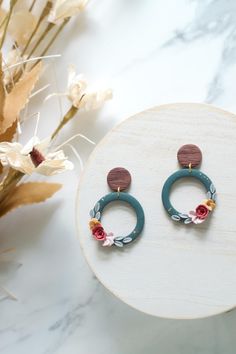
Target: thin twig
x,y
32,5
12,4
43,14
3,21
67,117
53,38
32,59
42,36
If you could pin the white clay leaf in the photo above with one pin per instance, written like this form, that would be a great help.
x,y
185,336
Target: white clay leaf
x,y
97,207
208,195
214,197
91,213
127,239
119,238
98,215
212,188
175,217
183,216
188,221
118,243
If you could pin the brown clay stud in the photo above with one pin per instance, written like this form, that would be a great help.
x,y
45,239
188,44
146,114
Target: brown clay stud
x,y
189,154
119,179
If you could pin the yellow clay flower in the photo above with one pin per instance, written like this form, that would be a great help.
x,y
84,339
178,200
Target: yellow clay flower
x,y
93,222
210,204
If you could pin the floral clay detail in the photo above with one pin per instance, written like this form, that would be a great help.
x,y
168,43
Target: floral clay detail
x,y
189,156
118,180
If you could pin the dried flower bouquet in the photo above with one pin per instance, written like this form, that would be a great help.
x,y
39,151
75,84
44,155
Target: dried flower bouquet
x,y
31,33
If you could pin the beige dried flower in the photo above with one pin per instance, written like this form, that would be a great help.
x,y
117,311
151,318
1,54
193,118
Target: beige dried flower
x,y
80,97
34,157
63,9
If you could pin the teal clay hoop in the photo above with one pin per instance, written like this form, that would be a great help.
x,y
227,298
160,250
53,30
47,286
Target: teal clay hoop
x,y
186,172
96,212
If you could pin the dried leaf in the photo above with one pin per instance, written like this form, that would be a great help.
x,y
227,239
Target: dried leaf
x,y
9,133
16,100
28,193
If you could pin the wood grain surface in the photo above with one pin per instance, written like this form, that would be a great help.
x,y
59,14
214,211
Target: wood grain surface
x,y
173,270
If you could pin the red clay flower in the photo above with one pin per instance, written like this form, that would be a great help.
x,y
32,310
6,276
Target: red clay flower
x,y
99,233
202,211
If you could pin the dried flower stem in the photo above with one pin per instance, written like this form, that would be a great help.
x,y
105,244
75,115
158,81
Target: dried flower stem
x,y
9,182
12,4
53,39
67,117
45,32
3,21
44,13
19,73
32,5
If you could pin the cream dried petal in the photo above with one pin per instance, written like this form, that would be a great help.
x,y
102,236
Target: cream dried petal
x,y
75,87
95,100
53,167
66,8
21,26
6,147
43,145
18,162
30,145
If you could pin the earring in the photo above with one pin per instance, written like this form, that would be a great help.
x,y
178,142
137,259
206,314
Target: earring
x,y
189,157
118,180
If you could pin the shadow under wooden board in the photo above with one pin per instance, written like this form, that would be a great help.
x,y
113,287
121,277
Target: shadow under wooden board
x,y
173,270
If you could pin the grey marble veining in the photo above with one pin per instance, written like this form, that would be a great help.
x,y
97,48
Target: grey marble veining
x,y
212,19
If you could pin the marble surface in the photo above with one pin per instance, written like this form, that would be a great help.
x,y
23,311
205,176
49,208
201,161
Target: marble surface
x,y
149,52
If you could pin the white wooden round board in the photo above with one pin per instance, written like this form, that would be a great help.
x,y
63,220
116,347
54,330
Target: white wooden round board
x,y
173,270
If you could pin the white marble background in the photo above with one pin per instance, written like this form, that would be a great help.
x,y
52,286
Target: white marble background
x,y
150,52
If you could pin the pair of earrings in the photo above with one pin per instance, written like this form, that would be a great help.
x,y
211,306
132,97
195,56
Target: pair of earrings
x,y
119,179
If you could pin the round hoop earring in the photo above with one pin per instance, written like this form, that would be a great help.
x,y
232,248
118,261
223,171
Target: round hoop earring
x,y
118,180
189,157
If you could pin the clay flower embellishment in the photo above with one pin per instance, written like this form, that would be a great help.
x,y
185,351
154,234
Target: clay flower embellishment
x,y
210,204
109,240
34,157
99,233
80,97
64,9
202,211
